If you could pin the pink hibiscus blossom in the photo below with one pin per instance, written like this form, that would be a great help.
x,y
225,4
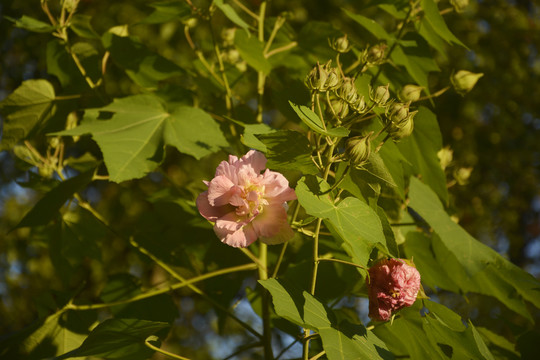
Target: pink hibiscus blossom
x,y
392,285
246,205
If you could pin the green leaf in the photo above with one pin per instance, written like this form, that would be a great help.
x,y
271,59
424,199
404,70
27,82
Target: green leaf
x,y
314,122
370,25
475,266
143,66
132,140
288,150
166,11
231,14
46,209
251,50
31,24
340,341
27,107
426,31
436,20
353,220
414,54
81,25
250,140
421,148
119,339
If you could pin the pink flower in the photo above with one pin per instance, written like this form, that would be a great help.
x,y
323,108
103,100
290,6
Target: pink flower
x,y
245,204
392,285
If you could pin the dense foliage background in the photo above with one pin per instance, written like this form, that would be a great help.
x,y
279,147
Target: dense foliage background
x,y
136,233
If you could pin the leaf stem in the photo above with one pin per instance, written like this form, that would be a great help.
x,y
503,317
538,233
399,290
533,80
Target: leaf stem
x,y
156,292
246,10
161,351
261,78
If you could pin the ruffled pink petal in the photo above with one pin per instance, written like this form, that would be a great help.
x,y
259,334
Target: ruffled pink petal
x,y
220,190
255,159
270,221
277,187
210,212
242,237
228,170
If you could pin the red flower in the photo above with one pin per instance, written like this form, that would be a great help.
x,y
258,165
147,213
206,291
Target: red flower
x,y
392,285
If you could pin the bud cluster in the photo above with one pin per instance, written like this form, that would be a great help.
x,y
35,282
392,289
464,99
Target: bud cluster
x,y
323,78
400,121
358,149
230,53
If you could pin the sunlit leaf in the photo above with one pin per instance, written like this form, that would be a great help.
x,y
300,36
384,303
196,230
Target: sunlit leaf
x,y
436,20
314,122
31,24
28,106
251,50
132,140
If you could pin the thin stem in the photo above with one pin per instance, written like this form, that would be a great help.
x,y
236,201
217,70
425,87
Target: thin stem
x,y
281,49
180,278
318,102
267,330
253,258
67,97
305,349
156,292
286,348
228,92
277,25
280,259
343,262
246,10
261,78
171,355
382,143
318,355
337,183
243,348
436,94
315,256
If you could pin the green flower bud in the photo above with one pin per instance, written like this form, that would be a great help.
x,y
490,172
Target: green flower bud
x,y
333,80
462,175
380,95
192,22
445,156
227,35
375,54
360,105
341,44
357,149
398,112
459,5
348,91
316,78
402,129
464,81
340,108
410,92
232,56
71,5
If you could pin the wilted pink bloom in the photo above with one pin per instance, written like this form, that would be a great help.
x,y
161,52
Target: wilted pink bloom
x,y
392,285
245,204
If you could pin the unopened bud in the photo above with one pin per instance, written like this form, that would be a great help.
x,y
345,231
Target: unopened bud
x,y
359,105
227,35
348,91
232,56
398,112
316,78
340,108
381,95
410,92
445,156
341,44
375,54
403,129
358,149
462,175
459,5
191,22
464,81
333,80
71,5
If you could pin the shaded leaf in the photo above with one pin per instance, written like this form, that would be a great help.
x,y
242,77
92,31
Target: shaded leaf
x,y
31,24
421,148
143,66
436,21
251,50
119,339
231,14
288,150
81,25
370,25
482,269
166,11
46,209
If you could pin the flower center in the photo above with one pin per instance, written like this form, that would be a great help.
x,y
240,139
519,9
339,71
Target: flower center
x,y
254,201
